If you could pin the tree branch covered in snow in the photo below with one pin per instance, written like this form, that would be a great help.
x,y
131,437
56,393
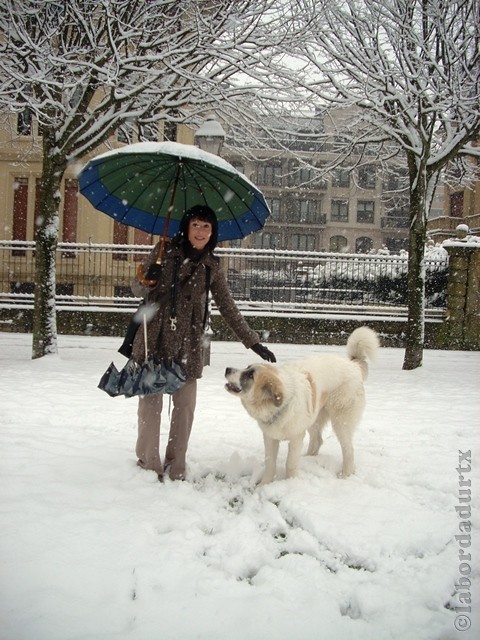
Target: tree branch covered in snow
x,y
84,67
410,69
406,74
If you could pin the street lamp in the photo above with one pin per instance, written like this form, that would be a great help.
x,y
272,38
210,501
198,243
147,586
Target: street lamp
x,y
210,136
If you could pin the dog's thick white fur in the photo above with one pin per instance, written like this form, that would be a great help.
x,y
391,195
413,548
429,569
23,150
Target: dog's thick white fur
x,y
288,400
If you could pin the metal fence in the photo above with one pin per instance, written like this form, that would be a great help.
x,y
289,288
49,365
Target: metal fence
x,y
263,281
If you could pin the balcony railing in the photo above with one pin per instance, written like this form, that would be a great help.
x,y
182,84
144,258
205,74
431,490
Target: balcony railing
x,y
261,281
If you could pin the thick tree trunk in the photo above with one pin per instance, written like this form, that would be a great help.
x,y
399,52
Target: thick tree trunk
x,y
416,279
44,314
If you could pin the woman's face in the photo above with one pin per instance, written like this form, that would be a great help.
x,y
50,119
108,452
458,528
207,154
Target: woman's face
x,y
199,233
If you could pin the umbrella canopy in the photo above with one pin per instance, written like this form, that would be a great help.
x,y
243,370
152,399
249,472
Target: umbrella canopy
x,y
150,185
154,376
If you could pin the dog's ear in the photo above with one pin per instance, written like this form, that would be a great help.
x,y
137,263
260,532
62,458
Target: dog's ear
x,y
274,390
277,397
268,385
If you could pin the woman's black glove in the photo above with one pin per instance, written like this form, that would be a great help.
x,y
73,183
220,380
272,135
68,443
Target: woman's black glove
x,y
262,351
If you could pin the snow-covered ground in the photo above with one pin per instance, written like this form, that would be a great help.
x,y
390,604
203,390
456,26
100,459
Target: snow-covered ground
x,y
94,548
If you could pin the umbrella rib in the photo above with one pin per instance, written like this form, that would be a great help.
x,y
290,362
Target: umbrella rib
x,y
206,179
162,193
228,186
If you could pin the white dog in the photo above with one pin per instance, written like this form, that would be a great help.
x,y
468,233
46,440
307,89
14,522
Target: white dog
x,y
290,399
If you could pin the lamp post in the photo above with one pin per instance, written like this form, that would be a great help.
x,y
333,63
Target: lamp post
x,y
210,137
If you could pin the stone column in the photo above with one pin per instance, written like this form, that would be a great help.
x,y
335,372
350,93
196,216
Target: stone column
x,y
462,324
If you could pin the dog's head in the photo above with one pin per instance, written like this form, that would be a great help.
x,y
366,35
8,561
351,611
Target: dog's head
x,y
259,387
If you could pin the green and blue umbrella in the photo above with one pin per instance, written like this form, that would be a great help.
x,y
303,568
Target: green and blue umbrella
x,y
150,185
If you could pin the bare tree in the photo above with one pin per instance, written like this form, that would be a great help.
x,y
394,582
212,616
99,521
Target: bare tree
x,y
83,68
410,70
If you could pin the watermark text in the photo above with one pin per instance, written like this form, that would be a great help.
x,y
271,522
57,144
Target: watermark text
x,y
464,540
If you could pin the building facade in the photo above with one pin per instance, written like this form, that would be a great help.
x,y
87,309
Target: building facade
x,y
20,184
461,206
342,212
348,210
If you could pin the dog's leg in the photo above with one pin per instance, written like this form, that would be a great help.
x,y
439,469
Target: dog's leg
x,y
344,433
316,440
293,456
271,452
315,433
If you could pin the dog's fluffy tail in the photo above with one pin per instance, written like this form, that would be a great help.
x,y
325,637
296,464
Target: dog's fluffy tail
x,y
362,345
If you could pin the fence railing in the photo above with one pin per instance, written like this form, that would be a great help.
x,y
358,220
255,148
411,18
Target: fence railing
x,y
261,281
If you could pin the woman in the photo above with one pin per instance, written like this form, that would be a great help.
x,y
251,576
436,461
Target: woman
x,y
179,295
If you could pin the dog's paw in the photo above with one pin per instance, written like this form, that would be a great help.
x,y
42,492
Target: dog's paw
x,y
264,481
344,474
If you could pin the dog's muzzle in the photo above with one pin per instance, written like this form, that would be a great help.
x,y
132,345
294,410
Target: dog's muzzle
x,y
231,386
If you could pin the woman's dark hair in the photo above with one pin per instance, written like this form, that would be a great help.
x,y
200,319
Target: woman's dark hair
x,y
203,213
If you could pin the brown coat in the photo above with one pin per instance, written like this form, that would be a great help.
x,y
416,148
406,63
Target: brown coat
x,y
185,343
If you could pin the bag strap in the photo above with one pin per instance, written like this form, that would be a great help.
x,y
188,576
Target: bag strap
x,y
208,275
173,294
174,288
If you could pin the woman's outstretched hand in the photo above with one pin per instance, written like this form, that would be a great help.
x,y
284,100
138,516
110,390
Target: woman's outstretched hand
x,y
262,351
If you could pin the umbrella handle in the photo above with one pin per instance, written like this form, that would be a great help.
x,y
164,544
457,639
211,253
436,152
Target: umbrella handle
x,y
169,212
162,245
145,335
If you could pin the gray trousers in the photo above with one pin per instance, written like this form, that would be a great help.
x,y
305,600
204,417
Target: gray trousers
x,y
148,440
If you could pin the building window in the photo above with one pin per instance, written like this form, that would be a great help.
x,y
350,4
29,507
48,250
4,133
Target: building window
x,y
366,177
396,180
303,242
341,178
307,176
24,122
456,204
321,182
120,236
267,240
70,211
37,218
125,134
274,206
303,211
20,212
269,174
363,244
141,237
170,131
148,131
301,175
338,244
365,211
339,211
308,210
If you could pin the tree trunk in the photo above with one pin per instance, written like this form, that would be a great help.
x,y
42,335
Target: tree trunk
x,y
44,313
416,279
